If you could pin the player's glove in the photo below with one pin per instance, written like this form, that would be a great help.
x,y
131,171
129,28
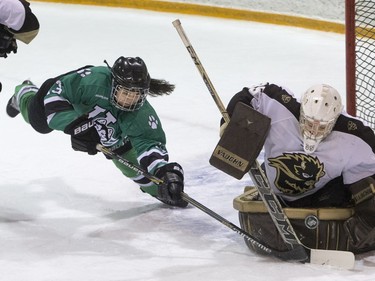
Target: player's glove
x,y
84,136
170,190
7,42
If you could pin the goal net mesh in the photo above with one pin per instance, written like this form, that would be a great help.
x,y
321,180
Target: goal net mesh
x,y
365,60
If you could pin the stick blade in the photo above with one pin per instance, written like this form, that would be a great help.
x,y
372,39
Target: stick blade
x,y
342,259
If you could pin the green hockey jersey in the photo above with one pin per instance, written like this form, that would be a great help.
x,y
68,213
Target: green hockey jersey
x,y
88,92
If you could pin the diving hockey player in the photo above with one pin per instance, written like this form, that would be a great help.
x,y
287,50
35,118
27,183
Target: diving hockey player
x,y
108,106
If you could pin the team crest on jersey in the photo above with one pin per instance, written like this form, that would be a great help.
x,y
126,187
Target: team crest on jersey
x,y
296,172
352,126
105,133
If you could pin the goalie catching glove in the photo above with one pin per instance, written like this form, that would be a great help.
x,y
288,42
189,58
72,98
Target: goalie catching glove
x,y
169,192
84,136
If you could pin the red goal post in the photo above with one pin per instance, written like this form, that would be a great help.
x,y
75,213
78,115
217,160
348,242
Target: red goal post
x,y
360,59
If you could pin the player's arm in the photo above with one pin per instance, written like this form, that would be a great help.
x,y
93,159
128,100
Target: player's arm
x,y
246,95
58,108
16,22
29,28
62,116
148,140
155,160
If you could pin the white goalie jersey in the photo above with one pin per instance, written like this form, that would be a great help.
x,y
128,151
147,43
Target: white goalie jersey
x,y
12,14
348,151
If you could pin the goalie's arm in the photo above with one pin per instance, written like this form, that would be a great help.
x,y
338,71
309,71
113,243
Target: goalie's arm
x,y
30,27
18,18
242,96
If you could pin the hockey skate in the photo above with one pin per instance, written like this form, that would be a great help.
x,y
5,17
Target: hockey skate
x,y
13,106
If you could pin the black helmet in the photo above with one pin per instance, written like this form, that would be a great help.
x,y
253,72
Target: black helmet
x,y
131,83
131,73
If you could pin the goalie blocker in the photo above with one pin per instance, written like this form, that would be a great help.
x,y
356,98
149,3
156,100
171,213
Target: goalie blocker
x,y
241,142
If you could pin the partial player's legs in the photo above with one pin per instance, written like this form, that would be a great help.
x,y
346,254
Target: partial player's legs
x,y
28,100
37,116
19,101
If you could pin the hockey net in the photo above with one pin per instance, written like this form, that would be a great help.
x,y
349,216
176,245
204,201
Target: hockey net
x,y
360,59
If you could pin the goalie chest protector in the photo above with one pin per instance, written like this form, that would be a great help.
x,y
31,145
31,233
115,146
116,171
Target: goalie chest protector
x,y
241,141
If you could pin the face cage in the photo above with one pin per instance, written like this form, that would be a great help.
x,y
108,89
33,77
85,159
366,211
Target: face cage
x,y
315,130
128,99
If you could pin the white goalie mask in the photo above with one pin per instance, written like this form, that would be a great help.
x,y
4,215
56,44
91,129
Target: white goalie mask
x,y
320,107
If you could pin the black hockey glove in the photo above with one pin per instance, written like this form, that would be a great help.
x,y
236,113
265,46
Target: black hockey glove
x,y
84,136
7,42
170,190
361,226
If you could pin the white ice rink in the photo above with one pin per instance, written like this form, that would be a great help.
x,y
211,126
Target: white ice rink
x,y
67,216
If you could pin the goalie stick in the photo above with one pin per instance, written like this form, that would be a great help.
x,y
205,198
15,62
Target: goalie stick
x,y
335,258
273,205
293,255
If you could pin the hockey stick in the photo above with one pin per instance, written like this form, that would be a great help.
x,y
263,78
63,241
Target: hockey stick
x,y
294,255
281,221
273,205
108,152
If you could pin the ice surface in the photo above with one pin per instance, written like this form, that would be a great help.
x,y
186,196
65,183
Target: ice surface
x,y
67,216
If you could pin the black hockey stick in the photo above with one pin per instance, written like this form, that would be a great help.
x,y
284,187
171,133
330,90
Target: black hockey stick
x,y
293,255
273,205
280,219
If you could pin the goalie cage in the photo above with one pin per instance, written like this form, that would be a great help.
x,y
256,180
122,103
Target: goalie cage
x,y
360,59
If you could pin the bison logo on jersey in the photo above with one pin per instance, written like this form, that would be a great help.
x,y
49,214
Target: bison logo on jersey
x,y
296,172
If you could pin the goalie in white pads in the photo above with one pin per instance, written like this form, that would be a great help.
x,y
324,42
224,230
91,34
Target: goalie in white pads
x,y
320,162
17,22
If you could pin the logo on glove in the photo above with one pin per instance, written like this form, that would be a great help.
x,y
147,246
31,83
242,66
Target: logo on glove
x,y
84,127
